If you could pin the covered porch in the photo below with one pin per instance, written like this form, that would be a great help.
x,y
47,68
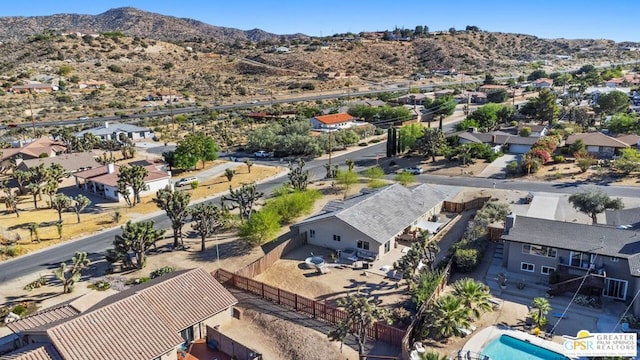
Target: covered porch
x,y
198,350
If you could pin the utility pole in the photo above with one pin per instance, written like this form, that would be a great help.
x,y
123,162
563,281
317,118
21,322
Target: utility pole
x,y
33,119
330,147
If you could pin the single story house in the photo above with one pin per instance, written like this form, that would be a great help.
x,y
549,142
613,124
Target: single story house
x,y
443,93
487,88
35,88
333,122
150,321
536,130
625,218
632,140
370,222
39,148
510,143
610,257
170,96
112,131
598,144
71,163
412,99
102,181
472,97
613,83
542,83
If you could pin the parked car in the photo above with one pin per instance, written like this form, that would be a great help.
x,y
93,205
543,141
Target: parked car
x,y
83,118
186,181
414,170
124,116
261,154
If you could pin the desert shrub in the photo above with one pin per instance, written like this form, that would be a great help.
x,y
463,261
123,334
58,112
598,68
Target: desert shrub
x,y
138,281
375,172
494,155
262,226
466,260
525,131
513,123
100,285
19,310
558,159
39,282
424,286
116,216
194,185
513,168
362,144
288,206
161,271
401,316
376,183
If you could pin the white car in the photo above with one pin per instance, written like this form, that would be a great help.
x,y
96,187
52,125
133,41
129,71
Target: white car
x,y
186,181
414,170
261,154
84,118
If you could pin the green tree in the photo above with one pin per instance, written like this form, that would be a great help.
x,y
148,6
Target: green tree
x,y
489,79
138,238
229,174
623,124
486,116
193,148
65,70
176,204
249,164
409,134
131,179
593,202
432,355
298,177
432,143
60,203
628,162
540,307
11,198
346,179
446,317
614,102
208,219
262,226
22,178
361,314
498,96
244,199
53,176
546,107
443,106
80,203
474,294
69,275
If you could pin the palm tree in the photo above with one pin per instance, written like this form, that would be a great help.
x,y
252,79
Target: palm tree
x,y
447,317
539,309
432,355
474,295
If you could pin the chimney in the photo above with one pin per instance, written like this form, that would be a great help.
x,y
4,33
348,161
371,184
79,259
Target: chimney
x,y
106,124
493,139
510,222
111,168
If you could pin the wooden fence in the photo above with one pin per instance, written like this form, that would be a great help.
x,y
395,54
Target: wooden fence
x,y
315,309
229,346
458,207
494,233
257,267
410,334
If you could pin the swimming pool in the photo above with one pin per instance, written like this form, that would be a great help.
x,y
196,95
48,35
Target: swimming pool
x,y
507,347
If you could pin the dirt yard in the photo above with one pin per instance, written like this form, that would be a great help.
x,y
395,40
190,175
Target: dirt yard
x,y
441,166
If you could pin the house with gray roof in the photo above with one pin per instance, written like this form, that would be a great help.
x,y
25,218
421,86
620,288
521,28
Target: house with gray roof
x,y
598,144
514,144
112,131
153,320
607,256
370,222
624,218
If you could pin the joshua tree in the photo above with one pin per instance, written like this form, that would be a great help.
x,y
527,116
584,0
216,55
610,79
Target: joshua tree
x,y
80,202
209,219
69,275
176,204
137,237
249,164
244,199
229,173
60,203
298,178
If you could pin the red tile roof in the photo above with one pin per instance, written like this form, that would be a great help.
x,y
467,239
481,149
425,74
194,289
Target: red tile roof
x,y
34,351
100,175
334,118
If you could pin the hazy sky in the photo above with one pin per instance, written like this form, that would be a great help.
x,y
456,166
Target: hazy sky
x,y
572,19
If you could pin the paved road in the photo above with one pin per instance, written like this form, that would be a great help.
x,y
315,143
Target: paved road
x,y
96,244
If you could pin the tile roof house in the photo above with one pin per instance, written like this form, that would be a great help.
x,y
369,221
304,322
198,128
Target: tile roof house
x,y
542,83
35,87
112,131
70,162
370,221
42,147
608,256
333,122
598,144
148,321
102,181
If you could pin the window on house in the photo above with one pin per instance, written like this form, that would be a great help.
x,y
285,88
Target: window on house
x,y
614,259
580,259
387,246
539,250
364,245
527,267
546,270
336,238
312,233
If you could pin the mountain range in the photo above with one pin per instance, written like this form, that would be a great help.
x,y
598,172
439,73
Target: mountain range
x,y
131,22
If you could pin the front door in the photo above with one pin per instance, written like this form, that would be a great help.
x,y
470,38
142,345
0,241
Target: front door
x,y
615,288
187,334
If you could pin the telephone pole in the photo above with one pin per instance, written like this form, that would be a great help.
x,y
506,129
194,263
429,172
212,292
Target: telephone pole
x,y
33,119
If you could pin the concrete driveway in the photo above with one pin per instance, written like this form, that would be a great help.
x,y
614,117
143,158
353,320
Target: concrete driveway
x,y
496,169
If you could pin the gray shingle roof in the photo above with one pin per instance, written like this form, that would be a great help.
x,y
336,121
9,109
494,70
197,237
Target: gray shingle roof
x,y
629,216
384,213
498,137
111,128
597,239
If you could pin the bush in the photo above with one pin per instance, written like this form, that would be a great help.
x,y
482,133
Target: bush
x,y
263,226
19,310
362,144
513,168
466,260
288,206
494,155
194,185
162,271
101,285
525,131
376,183
558,159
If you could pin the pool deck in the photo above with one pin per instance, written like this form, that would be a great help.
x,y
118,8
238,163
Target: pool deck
x,y
486,335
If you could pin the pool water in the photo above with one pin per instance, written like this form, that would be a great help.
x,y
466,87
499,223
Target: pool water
x,y
507,347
